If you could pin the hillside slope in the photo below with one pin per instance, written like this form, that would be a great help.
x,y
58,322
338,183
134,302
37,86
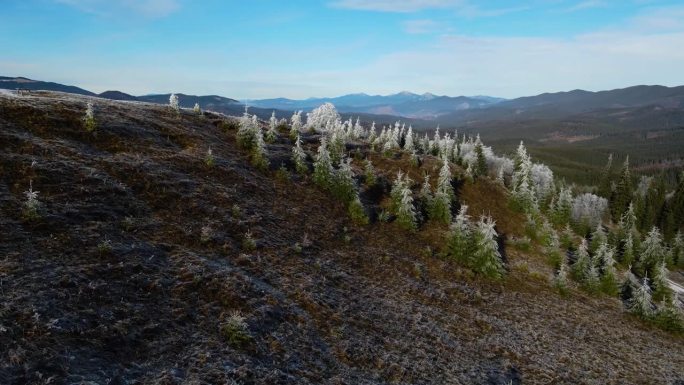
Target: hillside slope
x,y
136,262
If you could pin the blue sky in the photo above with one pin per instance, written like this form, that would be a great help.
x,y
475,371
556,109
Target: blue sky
x,y
299,49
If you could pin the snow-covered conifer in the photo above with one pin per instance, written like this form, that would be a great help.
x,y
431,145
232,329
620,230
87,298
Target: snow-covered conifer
x,y
459,241
403,202
641,303
369,173
323,170
344,187
598,237
560,280
31,204
661,287
486,258
652,250
89,117
259,157
322,118
209,158
582,263
299,157
173,103
272,132
358,129
609,283
197,109
295,124
408,141
246,133
588,210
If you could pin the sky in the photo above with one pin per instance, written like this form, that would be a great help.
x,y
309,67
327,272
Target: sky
x,y
300,48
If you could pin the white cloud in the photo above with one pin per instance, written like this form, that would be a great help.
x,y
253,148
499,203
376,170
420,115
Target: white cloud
x,y
588,4
395,5
421,26
146,8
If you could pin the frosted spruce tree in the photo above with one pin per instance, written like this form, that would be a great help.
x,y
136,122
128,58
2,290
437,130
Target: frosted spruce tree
x,y
652,251
259,153
344,187
295,124
440,209
459,242
562,208
678,249
560,280
402,202
486,259
481,168
609,281
369,173
582,263
323,170
247,130
409,146
272,132
661,289
321,119
523,192
89,118
299,157
598,237
31,204
197,110
173,103
641,303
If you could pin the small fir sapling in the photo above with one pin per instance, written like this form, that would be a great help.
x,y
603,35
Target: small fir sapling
x,y
272,132
174,104
641,302
459,243
295,124
369,173
440,209
402,202
408,141
357,212
31,204
248,241
323,170
661,287
299,157
259,154
89,118
608,280
486,259
582,263
344,187
197,109
560,280
209,158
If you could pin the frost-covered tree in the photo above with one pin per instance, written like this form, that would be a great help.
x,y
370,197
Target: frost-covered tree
x,y
272,132
173,103
321,119
247,131
588,210
661,287
369,173
31,203
561,210
641,303
652,250
604,255
598,237
209,158
344,186
560,280
523,188
409,146
624,192
459,242
323,170
299,157
627,257
542,180
678,249
591,279
582,263
356,211
295,124
486,258
402,202
259,153
89,117
372,135
358,130
197,109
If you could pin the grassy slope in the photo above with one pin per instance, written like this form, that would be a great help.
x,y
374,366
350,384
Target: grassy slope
x,y
359,306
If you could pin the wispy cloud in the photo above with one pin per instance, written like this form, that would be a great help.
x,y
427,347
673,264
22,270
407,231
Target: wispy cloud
x,y
421,26
395,5
146,8
588,4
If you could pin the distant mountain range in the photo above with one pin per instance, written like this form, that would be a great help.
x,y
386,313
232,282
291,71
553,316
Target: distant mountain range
x,y
405,104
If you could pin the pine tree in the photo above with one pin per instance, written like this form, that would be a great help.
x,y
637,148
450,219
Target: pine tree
x,y
604,255
357,212
591,279
628,250
523,193
562,209
197,109
678,249
486,259
605,187
641,303
89,118
299,157
582,263
246,134
323,170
